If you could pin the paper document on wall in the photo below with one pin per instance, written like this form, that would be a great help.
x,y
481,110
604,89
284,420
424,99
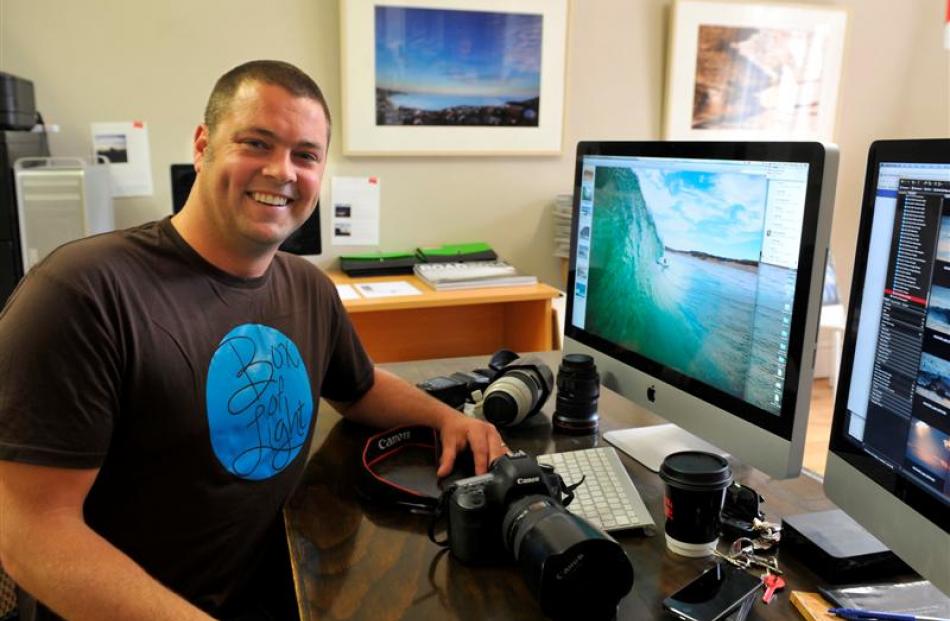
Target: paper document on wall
x,y
125,144
355,214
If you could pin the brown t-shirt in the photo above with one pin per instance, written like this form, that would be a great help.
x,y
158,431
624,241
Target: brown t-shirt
x,y
192,390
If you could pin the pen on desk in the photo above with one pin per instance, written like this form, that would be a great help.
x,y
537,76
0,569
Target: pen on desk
x,y
858,614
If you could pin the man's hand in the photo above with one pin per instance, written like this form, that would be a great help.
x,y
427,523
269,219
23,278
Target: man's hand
x,y
459,431
392,402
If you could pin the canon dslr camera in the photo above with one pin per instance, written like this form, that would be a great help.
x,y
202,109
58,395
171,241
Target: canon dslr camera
x,y
515,510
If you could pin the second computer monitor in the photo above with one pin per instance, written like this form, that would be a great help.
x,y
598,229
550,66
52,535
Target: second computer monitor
x,y
889,460
695,282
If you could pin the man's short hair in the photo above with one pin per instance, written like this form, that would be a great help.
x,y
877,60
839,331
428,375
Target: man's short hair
x,y
275,72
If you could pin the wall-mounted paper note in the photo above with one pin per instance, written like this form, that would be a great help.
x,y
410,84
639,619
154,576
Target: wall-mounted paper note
x,y
126,146
355,211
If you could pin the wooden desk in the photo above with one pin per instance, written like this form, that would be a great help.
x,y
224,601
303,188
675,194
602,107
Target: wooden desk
x,y
353,560
442,324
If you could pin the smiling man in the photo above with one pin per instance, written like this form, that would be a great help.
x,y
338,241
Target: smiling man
x,y
161,383
260,163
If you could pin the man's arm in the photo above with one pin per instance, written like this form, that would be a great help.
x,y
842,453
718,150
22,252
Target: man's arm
x,y
47,548
392,402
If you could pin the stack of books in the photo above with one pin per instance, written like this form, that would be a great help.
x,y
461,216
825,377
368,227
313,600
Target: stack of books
x,y
447,276
562,206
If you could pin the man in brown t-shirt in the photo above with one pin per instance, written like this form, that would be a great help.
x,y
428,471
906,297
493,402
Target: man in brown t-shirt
x,y
160,384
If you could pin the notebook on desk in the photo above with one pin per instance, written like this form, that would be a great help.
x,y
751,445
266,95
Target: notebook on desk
x,y
471,275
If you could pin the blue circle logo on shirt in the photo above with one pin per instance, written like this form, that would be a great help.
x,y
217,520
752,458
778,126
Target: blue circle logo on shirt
x,y
259,401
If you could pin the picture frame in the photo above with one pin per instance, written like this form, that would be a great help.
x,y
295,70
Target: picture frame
x,y
452,77
741,71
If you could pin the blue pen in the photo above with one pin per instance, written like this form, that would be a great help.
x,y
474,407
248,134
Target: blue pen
x,y
858,614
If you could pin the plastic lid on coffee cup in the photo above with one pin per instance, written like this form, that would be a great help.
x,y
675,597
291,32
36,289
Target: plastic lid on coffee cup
x,y
696,470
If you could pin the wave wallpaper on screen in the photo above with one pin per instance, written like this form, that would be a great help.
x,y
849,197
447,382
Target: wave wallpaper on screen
x,y
689,308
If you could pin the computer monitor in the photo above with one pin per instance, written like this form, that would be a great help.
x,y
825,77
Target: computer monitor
x,y
889,460
304,241
695,283
183,177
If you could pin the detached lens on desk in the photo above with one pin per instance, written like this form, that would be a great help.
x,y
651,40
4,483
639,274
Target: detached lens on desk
x,y
578,388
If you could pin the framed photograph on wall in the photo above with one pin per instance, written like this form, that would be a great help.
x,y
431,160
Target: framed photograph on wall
x,y
452,77
740,71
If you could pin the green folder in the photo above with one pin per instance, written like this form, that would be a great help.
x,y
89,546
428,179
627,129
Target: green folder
x,y
473,251
378,263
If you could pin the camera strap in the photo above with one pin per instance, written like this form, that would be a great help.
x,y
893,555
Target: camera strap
x,y
386,445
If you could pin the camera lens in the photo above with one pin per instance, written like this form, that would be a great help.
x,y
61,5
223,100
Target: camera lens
x,y
578,388
509,399
575,570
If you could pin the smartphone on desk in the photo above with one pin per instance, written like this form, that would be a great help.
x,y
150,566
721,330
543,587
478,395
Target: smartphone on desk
x,y
715,594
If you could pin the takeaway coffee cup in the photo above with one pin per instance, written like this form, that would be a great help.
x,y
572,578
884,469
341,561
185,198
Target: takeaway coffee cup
x,y
696,485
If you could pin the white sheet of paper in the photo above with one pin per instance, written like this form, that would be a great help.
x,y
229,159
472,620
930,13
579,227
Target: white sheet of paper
x,y
347,292
354,218
387,289
126,146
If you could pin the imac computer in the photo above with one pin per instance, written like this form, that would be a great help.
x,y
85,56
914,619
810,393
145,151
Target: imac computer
x,y
889,458
695,283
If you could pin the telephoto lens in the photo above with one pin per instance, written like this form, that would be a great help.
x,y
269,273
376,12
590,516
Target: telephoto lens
x,y
517,392
578,388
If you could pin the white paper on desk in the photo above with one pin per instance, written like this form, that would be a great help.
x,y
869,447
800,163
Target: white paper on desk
x,y
387,289
347,292
355,211
126,146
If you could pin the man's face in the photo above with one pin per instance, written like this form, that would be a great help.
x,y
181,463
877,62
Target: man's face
x,y
259,172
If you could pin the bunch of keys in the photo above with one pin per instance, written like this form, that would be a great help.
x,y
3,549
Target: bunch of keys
x,y
767,533
742,554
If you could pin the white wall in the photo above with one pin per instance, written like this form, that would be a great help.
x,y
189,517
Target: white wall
x,y
113,60
895,84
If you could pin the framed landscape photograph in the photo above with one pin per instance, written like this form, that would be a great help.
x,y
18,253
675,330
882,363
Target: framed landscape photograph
x,y
740,71
452,77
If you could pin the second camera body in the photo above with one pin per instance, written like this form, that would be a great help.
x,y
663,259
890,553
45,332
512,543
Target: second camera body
x,y
513,388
